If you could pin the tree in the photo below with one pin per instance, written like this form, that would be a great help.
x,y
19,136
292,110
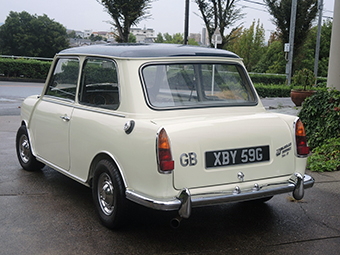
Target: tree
x,y
219,14
281,11
23,34
177,38
71,34
95,38
159,38
132,38
126,13
273,60
249,44
307,55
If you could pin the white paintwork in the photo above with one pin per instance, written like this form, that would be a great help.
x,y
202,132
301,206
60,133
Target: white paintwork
x,y
71,146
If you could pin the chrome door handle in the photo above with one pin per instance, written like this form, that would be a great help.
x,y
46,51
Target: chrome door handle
x,y
65,118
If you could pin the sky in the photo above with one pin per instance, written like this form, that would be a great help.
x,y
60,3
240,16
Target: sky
x,y
167,16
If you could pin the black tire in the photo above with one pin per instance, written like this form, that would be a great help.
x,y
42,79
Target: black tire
x,y
108,193
24,152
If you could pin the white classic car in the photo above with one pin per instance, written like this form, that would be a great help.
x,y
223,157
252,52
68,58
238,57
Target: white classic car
x,y
170,127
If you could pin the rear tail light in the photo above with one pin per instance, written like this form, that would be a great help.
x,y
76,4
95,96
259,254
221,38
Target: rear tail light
x,y
301,140
165,161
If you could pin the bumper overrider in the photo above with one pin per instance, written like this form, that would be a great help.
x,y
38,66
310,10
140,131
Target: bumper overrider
x,y
184,201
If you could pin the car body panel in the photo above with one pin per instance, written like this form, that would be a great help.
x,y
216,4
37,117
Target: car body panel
x,y
214,133
70,135
50,133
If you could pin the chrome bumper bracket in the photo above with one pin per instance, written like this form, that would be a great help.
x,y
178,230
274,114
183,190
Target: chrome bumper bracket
x,y
185,201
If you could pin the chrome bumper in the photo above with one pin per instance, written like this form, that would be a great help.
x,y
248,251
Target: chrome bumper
x,y
184,201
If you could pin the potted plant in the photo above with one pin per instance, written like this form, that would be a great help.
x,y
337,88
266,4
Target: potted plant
x,y
305,78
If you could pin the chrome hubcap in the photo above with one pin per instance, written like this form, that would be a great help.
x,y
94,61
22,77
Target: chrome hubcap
x,y
106,193
24,149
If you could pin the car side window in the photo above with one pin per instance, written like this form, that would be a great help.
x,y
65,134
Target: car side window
x,y
63,82
99,84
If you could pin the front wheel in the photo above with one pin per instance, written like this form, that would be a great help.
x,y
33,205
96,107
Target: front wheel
x,y
108,194
24,152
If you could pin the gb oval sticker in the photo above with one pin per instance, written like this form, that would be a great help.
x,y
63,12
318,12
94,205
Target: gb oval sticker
x,y
188,159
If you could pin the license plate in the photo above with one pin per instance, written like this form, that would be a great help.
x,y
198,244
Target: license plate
x,y
238,156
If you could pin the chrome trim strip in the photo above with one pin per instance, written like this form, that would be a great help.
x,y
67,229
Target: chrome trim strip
x,y
63,171
183,199
80,107
154,203
244,195
67,102
57,100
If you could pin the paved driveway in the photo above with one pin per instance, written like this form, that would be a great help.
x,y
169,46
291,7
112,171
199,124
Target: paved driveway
x,y
47,213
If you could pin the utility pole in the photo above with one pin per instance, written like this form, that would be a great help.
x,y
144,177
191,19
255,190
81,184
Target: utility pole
x,y
289,66
317,49
186,22
333,78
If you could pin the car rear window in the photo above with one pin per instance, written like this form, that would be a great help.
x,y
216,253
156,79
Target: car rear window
x,y
196,85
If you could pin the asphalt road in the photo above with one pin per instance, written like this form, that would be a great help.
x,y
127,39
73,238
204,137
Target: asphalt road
x,y
13,93
47,213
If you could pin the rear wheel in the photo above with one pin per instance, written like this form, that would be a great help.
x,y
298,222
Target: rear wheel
x,y
24,152
108,194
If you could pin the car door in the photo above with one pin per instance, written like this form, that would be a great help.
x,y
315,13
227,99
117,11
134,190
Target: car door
x,y
95,122
50,123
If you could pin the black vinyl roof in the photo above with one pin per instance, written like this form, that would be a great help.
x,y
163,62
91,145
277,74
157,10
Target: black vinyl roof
x,y
148,50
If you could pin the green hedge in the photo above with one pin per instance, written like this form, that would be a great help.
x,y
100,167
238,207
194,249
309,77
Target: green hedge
x,y
272,90
278,79
268,78
24,68
320,115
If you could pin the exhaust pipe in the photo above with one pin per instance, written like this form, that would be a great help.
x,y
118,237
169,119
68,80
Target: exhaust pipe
x,y
176,222
298,192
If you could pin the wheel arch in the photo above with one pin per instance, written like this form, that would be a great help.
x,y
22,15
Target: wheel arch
x,y
25,124
99,157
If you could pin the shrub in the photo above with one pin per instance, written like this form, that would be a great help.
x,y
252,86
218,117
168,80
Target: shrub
x,y
272,90
320,115
304,77
268,78
326,157
33,69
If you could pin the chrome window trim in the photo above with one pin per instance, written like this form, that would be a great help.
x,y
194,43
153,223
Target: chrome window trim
x,y
71,103
55,62
178,62
83,64
98,110
57,100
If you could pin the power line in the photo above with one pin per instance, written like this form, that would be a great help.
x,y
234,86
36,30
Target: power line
x,y
245,6
253,8
263,10
254,2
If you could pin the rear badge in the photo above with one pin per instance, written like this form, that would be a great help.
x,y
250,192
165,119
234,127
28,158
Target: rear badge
x,y
188,159
284,150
